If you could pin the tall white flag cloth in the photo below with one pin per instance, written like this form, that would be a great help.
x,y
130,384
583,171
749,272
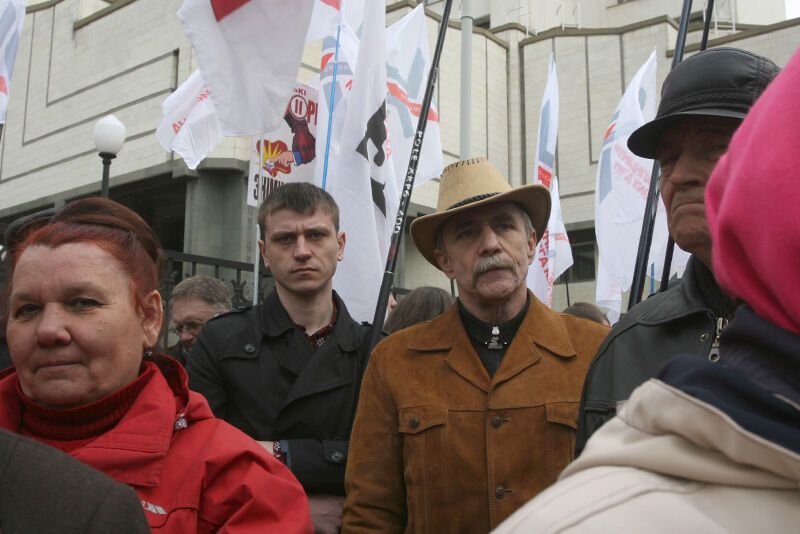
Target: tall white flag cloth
x,y
623,180
12,17
249,52
553,253
364,186
408,62
328,14
189,125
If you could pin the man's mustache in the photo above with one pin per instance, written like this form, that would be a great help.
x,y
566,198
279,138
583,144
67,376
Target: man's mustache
x,y
490,263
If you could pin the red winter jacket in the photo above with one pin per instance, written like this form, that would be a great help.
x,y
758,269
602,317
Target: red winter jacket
x,y
193,472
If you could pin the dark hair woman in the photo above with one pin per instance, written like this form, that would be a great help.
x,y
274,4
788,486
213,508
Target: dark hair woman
x,y
421,304
82,314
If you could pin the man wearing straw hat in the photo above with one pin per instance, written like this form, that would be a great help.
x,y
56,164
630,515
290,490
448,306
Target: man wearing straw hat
x,y
464,418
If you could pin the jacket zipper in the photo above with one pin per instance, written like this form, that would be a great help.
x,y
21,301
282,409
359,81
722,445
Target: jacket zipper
x,y
713,354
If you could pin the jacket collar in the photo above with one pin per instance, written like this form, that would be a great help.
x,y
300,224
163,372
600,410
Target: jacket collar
x,y
683,299
275,322
540,333
143,436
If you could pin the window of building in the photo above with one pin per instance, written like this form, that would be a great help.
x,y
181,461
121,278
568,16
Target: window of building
x,y
583,257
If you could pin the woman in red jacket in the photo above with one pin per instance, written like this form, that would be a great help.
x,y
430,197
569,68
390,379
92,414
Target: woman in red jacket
x,y
82,313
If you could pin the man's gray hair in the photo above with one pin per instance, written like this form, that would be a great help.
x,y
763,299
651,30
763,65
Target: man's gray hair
x,y
210,290
526,220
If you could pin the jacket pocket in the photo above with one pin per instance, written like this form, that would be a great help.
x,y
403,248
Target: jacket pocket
x,y
423,430
421,418
562,420
563,413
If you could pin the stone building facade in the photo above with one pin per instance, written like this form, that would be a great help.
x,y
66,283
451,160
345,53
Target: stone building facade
x,y
79,60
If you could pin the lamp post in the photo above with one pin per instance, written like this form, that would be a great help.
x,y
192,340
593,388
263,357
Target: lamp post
x,y
109,136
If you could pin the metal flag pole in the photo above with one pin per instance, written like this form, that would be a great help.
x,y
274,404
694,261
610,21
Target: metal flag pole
x,y
651,208
408,185
330,107
670,243
260,193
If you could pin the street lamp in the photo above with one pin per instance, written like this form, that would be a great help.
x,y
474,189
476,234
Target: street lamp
x,y
109,136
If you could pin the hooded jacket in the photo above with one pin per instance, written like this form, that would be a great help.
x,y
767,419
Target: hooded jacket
x,y
192,472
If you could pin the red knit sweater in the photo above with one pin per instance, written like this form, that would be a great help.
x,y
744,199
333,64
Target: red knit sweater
x,y
72,428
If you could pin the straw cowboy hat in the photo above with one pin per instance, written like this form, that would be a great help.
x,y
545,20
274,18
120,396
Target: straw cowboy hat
x,y
470,184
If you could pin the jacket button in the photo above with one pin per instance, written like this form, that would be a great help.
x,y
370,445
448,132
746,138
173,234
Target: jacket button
x,y
497,421
414,422
249,348
337,456
500,492
703,336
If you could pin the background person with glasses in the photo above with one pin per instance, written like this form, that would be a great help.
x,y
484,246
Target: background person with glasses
x,y
195,300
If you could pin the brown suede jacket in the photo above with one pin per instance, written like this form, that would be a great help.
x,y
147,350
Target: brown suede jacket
x,y
438,446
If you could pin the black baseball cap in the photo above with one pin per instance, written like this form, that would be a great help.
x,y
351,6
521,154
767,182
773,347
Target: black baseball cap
x,y
719,82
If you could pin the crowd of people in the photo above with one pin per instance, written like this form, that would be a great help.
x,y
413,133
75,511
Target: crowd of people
x,y
485,412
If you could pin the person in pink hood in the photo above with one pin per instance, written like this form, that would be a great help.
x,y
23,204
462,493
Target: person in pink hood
x,y
82,313
707,447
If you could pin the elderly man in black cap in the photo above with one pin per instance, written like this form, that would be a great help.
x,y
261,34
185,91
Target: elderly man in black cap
x,y
703,101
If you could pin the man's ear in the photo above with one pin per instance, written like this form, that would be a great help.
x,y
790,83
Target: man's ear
x,y
531,246
262,247
152,313
444,263
341,240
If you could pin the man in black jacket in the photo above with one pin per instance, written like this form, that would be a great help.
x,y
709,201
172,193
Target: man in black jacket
x,y
287,372
703,101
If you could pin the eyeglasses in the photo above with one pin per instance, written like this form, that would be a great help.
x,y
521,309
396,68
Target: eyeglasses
x,y
179,328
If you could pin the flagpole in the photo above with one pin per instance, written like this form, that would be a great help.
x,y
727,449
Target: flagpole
x,y
670,241
651,208
330,106
408,185
261,194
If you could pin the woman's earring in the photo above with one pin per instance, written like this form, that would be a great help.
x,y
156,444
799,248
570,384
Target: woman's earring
x,y
148,353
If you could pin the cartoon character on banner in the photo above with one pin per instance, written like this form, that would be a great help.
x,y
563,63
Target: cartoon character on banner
x,y
275,157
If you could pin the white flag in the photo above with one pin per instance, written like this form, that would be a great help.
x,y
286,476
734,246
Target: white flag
x,y
623,180
326,17
189,125
344,67
553,253
408,63
12,17
249,52
361,179
288,153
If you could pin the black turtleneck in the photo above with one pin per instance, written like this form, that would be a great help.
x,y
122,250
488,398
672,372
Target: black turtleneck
x,y
491,340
